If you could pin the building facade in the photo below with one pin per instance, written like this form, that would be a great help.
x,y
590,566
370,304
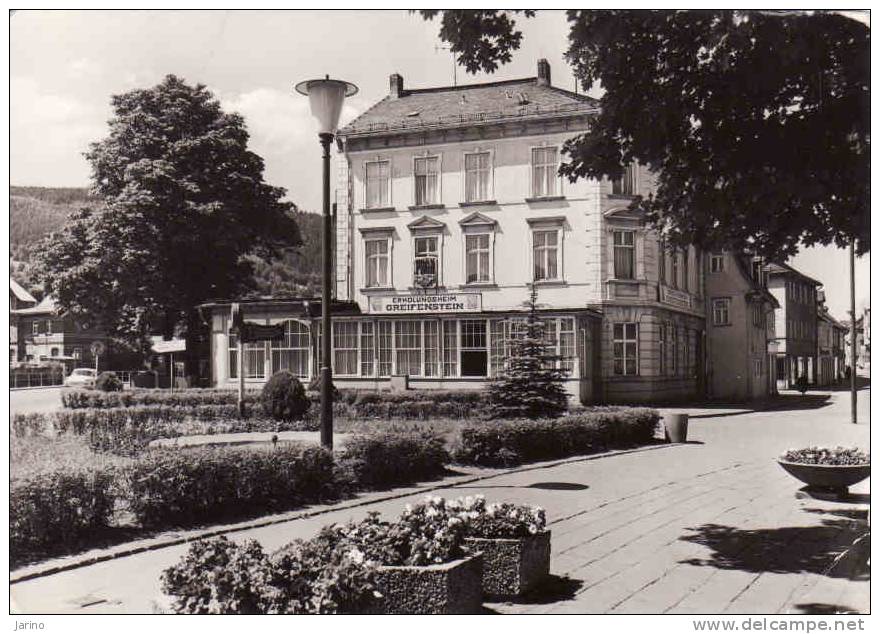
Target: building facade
x,y
449,206
740,322
19,298
796,324
46,334
831,336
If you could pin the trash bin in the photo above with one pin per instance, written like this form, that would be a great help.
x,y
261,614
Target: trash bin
x,y
676,427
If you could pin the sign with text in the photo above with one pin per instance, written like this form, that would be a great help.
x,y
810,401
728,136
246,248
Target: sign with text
x,y
421,304
172,345
675,297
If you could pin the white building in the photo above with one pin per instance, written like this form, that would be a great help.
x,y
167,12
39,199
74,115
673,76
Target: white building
x,y
449,205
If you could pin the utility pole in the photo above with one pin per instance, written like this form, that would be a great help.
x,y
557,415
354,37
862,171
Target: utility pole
x,y
852,328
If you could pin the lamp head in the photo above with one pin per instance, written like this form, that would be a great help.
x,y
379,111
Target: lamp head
x,y
325,100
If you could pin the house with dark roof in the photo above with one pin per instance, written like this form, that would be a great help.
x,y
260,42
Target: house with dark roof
x,y
796,323
19,297
740,326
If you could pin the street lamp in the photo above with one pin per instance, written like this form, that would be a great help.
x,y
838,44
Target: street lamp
x,y
325,101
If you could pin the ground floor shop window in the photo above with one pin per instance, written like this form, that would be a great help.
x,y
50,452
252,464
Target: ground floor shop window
x,y
294,351
254,360
474,354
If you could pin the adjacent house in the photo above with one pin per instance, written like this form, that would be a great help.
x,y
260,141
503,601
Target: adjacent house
x,y
831,341
47,334
19,298
449,204
740,326
796,323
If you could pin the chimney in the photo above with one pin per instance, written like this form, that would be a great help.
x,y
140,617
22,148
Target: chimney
x,y
396,84
543,72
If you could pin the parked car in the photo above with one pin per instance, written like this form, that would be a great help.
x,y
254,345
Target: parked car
x,y
81,377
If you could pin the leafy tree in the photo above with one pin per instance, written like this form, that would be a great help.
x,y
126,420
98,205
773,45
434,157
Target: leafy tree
x,y
531,382
181,203
756,123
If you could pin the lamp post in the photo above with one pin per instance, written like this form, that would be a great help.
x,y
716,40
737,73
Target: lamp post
x,y
325,101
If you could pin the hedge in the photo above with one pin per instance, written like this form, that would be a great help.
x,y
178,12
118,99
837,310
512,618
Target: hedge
x,y
184,487
77,399
51,512
420,404
387,459
507,443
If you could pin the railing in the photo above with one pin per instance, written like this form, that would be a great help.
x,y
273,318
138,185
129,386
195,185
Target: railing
x,y
35,377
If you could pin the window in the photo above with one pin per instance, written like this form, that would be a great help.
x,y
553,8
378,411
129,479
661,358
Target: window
x,y
477,177
757,315
293,352
716,263
345,347
254,359
427,180
377,266
721,311
626,349
367,348
385,348
673,349
565,339
664,352
450,348
378,184
48,326
626,184
545,164
661,261
674,268
432,347
545,251
53,352
77,353
474,355
624,255
35,328
408,347
426,264
685,269
686,353
477,258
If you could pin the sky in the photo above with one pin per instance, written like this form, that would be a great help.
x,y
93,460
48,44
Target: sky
x,y
65,66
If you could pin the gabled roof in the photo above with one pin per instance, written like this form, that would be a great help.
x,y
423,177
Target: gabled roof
x,y
20,292
454,106
46,307
477,219
425,222
775,268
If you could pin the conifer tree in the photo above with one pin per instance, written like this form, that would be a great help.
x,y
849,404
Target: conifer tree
x,y
531,383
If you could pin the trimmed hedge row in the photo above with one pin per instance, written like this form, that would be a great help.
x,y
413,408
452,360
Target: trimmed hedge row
x,y
54,511
78,399
183,487
508,443
410,404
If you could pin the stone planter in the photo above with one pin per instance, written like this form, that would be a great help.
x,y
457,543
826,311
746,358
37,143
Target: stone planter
x,y
837,478
512,567
450,588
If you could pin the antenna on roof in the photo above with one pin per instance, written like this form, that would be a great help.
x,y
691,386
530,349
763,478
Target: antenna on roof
x,y
454,65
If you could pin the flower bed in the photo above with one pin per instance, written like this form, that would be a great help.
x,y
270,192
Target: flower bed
x,y
507,443
827,456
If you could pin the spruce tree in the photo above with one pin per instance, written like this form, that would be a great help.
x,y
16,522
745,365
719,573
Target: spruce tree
x,y
531,382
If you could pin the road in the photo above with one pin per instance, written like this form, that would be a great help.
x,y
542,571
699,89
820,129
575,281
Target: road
x,y
711,526
29,400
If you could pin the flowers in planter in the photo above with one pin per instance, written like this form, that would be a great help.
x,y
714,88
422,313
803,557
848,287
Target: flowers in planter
x,y
827,456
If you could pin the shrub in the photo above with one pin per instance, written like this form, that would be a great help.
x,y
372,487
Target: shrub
x,y
318,576
384,459
180,487
506,443
828,456
284,397
51,511
108,382
315,389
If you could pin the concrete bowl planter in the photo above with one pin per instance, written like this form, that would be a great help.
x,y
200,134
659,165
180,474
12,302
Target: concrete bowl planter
x,y
827,477
512,567
450,588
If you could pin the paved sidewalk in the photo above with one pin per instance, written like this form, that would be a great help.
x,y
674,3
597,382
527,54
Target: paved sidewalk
x,y
711,526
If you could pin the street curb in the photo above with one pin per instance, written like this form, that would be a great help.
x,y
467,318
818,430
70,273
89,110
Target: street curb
x,y
298,515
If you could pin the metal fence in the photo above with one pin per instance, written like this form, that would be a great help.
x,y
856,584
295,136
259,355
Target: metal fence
x,y
35,377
